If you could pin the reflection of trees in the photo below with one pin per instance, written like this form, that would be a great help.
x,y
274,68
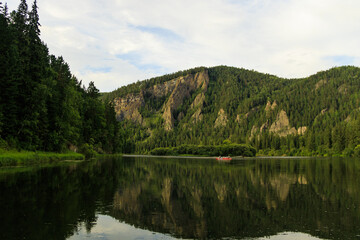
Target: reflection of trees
x,y
51,203
256,198
187,198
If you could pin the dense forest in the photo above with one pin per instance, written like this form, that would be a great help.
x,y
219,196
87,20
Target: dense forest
x,y
42,105
317,115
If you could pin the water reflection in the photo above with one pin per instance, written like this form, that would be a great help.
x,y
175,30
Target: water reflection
x,y
289,235
109,228
164,198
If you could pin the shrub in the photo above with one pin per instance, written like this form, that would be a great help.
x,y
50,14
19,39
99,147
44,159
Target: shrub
x,y
88,150
227,149
357,151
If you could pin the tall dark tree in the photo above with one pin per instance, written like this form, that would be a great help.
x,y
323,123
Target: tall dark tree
x,y
93,115
42,105
9,79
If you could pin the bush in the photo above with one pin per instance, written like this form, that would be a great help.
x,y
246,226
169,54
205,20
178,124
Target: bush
x,y
88,150
162,151
357,151
348,152
224,150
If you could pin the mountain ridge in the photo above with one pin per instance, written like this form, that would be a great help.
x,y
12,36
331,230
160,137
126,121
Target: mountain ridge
x,y
210,105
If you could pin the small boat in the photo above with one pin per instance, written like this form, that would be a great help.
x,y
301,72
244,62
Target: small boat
x,y
223,158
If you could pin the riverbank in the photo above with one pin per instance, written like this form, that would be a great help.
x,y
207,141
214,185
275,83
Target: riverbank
x,y
214,157
13,158
231,149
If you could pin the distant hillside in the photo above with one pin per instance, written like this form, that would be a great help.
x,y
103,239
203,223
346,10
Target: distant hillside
x,y
207,106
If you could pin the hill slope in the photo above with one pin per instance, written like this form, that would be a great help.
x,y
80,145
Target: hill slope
x,y
314,115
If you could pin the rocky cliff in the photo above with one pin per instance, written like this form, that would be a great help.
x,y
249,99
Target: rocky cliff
x,y
210,105
183,88
128,107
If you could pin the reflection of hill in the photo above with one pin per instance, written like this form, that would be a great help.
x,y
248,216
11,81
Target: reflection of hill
x,y
253,199
187,198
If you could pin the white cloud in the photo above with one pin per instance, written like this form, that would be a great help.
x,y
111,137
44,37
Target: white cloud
x,y
137,39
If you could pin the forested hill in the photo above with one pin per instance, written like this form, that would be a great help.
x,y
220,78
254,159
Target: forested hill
x,y
42,105
319,114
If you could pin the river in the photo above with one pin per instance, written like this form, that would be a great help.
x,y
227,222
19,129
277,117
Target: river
x,y
169,198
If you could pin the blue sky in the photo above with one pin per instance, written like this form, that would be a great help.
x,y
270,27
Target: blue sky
x,y
117,42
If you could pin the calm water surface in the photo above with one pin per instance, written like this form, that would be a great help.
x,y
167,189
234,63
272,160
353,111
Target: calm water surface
x,y
151,198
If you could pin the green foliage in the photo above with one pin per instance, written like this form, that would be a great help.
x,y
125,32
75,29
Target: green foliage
x,y
42,105
224,150
325,103
12,158
357,151
88,150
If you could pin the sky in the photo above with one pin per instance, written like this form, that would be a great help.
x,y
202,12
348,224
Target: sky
x,y
117,42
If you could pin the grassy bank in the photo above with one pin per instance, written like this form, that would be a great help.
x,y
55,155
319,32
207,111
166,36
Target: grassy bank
x,y
13,158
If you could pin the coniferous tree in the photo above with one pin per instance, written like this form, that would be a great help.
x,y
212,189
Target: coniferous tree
x,y
9,80
42,106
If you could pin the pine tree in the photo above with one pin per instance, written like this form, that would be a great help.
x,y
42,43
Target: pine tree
x,y
310,141
9,79
338,136
38,66
93,115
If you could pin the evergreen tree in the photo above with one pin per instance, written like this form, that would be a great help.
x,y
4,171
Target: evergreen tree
x,y
338,136
42,106
93,116
9,80
311,143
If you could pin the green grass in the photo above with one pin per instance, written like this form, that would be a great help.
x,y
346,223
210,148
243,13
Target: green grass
x,y
14,158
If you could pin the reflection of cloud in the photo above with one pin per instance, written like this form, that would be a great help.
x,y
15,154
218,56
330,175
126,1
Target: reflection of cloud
x,y
287,38
111,229
290,235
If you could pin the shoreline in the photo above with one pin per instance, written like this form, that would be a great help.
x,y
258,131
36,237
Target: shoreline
x,y
24,158
214,157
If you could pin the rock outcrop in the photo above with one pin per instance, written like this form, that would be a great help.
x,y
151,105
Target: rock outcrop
x,y
343,89
128,107
242,117
281,126
198,101
264,126
239,118
197,116
221,119
254,132
301,130
320,83
184,86
270,107
163,89
179,88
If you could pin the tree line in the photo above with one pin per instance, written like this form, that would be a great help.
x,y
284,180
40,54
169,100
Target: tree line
x,y
43,106
215,150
